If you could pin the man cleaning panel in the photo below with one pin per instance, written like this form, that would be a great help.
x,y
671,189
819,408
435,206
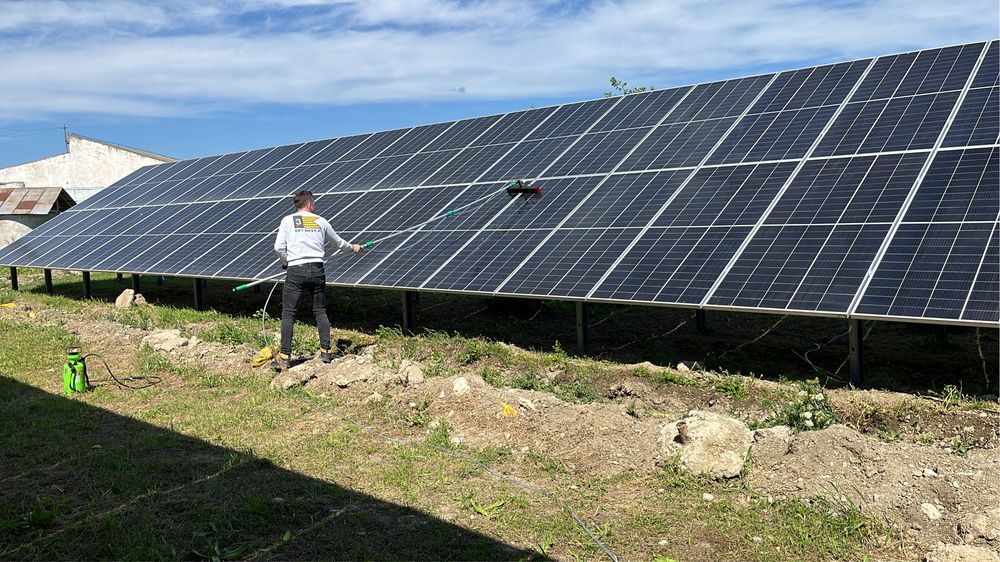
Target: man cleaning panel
x,y
300,244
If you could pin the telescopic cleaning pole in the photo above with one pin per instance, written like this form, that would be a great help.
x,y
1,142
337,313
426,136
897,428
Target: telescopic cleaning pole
x,y
513,188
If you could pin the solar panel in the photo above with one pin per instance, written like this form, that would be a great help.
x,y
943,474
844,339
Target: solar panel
x,y
862,189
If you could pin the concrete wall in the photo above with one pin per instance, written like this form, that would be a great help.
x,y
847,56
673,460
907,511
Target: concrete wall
x,y
11,230
88,164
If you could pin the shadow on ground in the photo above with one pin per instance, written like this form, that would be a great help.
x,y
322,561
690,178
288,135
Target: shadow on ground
x,y
80,482
899,356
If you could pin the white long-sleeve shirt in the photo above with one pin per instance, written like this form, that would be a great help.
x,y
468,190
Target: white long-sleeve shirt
x,y
302,237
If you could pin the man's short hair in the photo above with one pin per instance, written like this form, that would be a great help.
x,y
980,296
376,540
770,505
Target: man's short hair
x,y
302,198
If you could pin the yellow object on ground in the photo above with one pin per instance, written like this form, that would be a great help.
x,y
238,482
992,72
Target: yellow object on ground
x,y
263,356
8,305
508,410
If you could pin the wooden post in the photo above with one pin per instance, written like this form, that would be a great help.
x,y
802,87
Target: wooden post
x,y
13,278
87,293
48,281
699,321
135,282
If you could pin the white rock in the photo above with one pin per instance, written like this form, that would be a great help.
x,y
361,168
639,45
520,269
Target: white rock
x,y
930,511
960,553
343,380
526,404
125,299
984,524
460,386
929,473
707,443
683,368
707,497
165,340
410,373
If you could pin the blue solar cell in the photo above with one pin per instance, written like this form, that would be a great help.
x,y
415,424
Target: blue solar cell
x,y
627,200
927,271
811,87
978,119
415,139
801,267
597,152
677,145
989,71
570,262
573,119
719,99
486,261
773,136
417,169
961,185
728,195
863,189
640,110
527,159
908,123
672,265
469,165
984,300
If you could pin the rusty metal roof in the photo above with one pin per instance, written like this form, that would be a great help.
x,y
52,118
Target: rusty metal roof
x,y
34,200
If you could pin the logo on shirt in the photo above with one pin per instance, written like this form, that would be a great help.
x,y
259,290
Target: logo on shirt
x,y
306,222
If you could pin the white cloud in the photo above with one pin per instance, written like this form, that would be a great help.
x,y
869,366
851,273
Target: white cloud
x,y
129,57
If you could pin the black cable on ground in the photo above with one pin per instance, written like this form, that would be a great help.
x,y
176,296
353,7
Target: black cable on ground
x,y
150,381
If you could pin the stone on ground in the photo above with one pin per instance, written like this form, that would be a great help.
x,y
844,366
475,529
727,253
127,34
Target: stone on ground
x,y
960,553
410,373
165,340
707,443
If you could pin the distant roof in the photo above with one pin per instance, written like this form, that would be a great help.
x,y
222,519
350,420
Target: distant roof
x,y
33,200
128,148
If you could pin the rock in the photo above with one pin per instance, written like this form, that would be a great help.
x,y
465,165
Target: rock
x,y
681,367
139,300
125,299
460,386
165,340
373,397
707,497
984,526
930,511
707,443
343,380
960,553
929,473
526,404
410,373
770,444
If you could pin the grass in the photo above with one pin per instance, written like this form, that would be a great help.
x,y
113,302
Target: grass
x,y
236,469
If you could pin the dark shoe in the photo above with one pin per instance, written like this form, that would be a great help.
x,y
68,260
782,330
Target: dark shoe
x,y
281,363
324,355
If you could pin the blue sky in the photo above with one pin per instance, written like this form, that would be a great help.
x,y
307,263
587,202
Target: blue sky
x,y
188,78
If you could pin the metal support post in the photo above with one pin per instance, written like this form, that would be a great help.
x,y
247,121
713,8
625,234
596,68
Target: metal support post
x,y
13,278
699,321
135,282
581,327
87,292
855,338
160,280
409,322
48,281
943,336
199,294
119,277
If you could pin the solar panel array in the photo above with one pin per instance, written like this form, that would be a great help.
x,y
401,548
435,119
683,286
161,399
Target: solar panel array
x,y
864,189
